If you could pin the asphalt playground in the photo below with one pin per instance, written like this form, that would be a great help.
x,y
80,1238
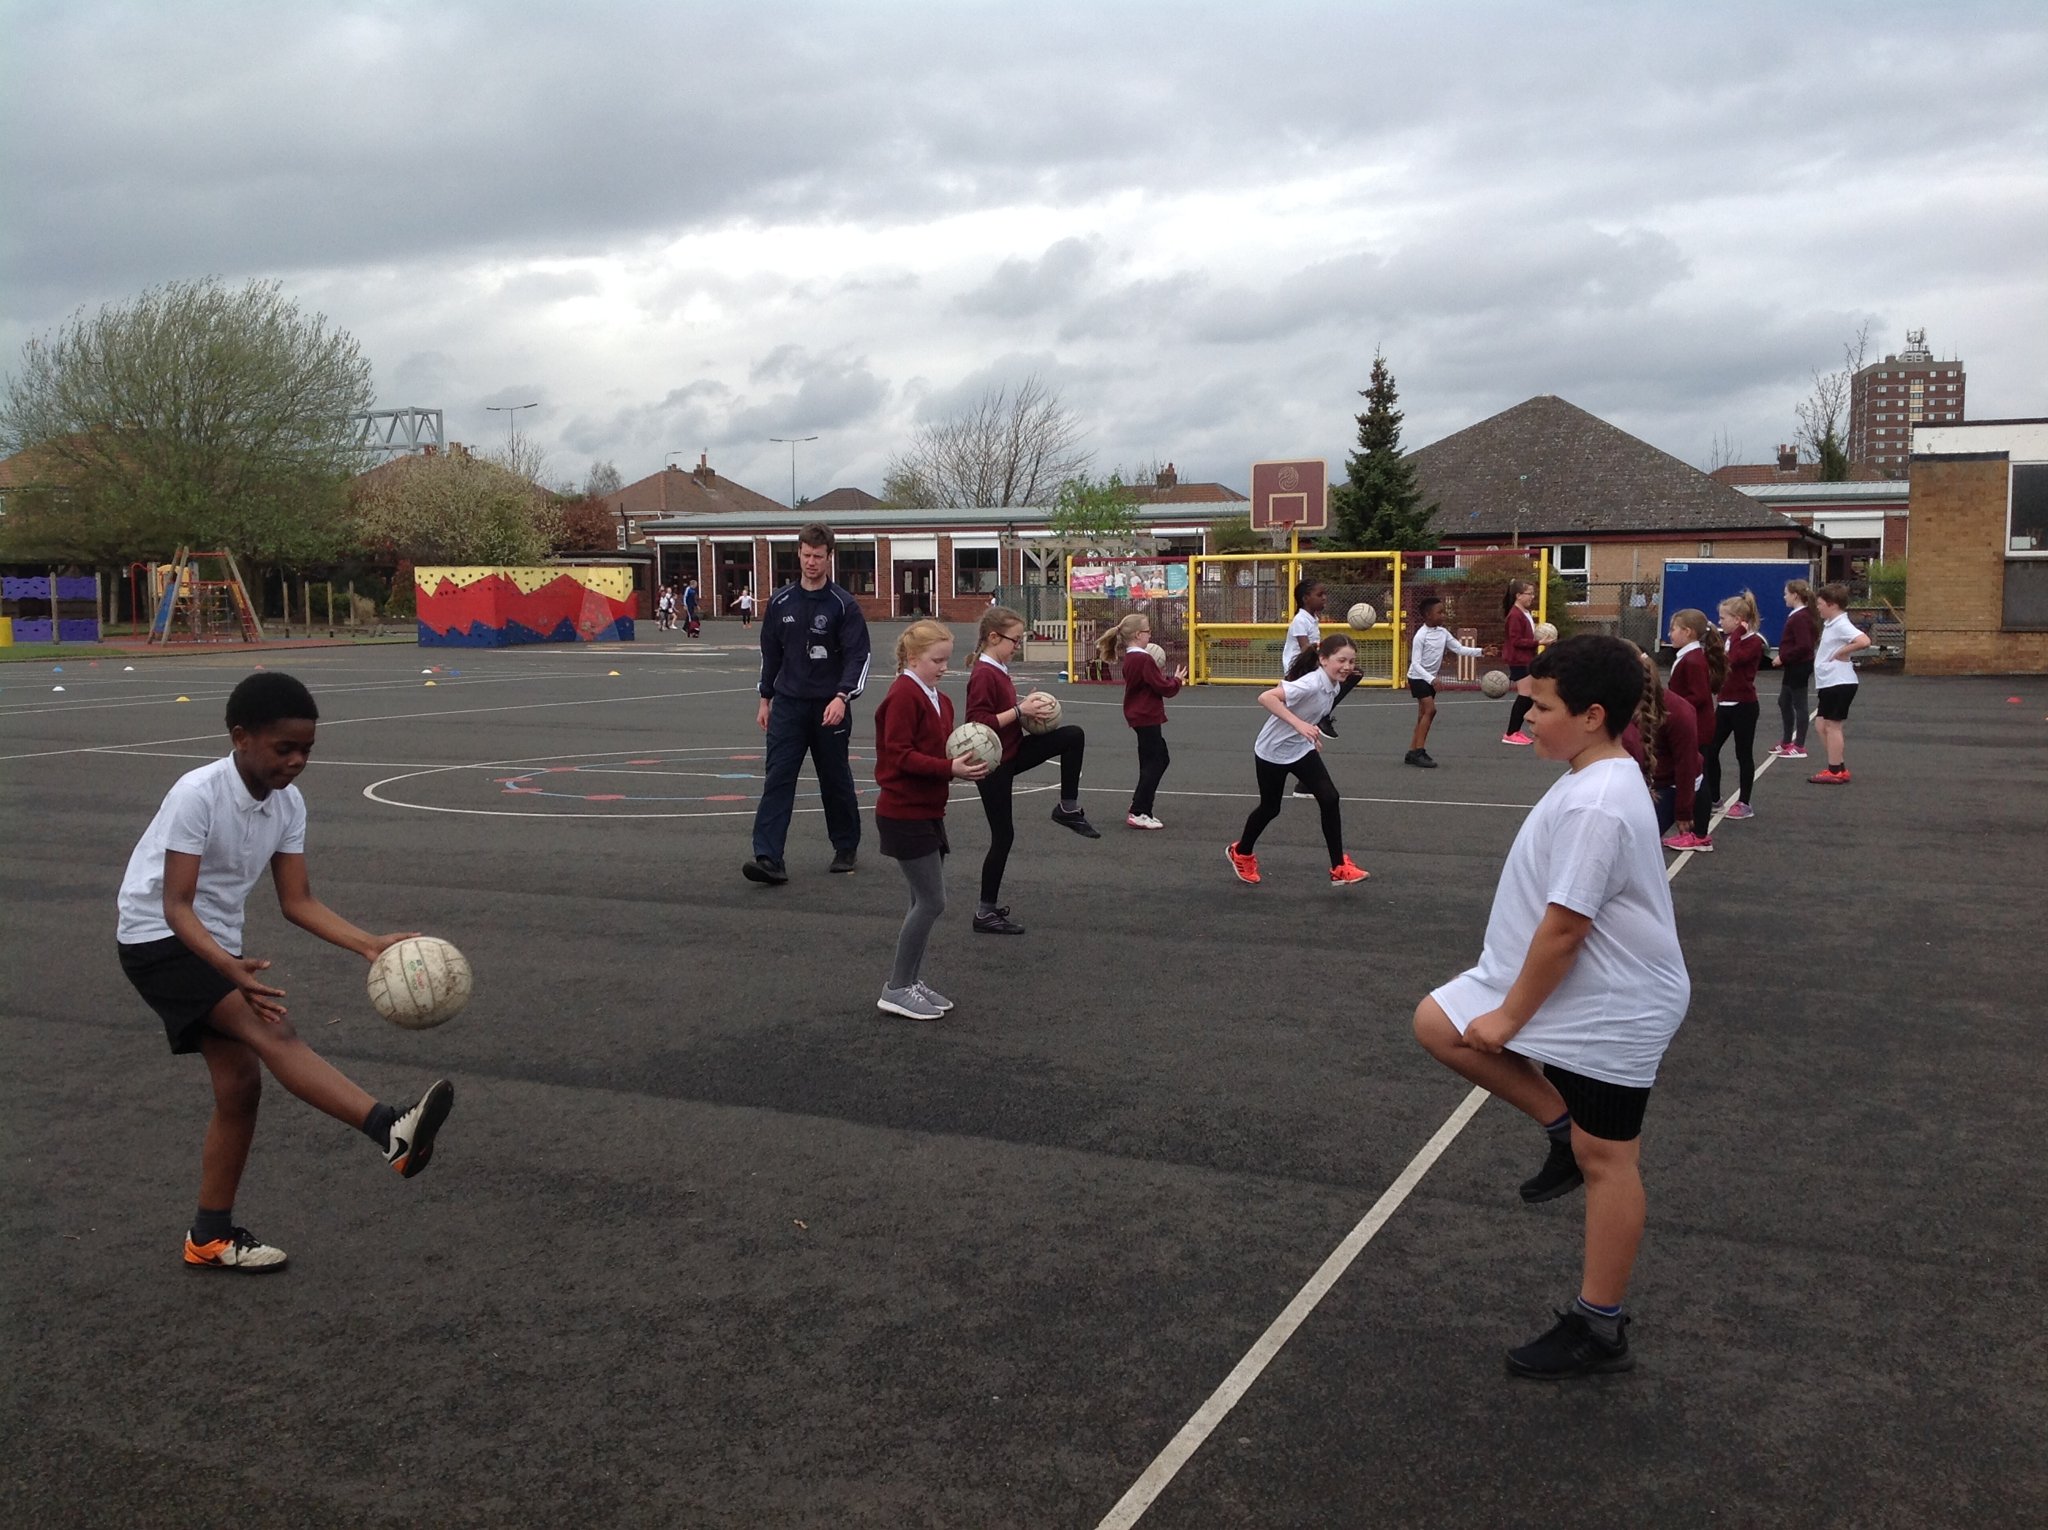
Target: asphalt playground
x,y
709,1242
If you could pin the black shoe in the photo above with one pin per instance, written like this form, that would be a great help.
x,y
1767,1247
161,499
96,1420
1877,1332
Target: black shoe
x,y
998,923
1077,821
1571,1349
1559,1175
1327,727
844,860
1422,758
765,868
412,1135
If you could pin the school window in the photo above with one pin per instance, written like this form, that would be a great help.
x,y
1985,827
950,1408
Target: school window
x,y
1574,564
782,565
2027,523
856,564
974,570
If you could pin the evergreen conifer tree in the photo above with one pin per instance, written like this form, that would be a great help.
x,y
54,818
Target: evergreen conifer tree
x,y
1377,507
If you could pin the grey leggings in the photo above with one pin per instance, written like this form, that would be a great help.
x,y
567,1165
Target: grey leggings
x,y
927,878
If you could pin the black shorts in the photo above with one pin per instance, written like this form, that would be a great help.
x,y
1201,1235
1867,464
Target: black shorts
x,y
176,983
1420,689
910,839
1611,1112
1834,701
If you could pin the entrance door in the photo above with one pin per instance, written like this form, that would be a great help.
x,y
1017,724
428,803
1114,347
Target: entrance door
x,y
914,587
735,562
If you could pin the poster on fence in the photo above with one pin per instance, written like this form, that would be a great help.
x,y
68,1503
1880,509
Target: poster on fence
x,y
1131,581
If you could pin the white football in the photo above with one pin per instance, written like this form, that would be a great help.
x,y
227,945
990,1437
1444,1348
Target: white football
x,y
420,983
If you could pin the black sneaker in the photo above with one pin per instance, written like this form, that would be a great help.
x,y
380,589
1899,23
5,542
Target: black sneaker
x,y
766,869
412,1134
997,923
1422,758
1559,1175
1571,1349
1327,727
1077,821
844,860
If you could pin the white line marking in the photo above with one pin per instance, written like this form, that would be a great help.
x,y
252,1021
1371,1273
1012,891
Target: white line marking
x,y
1153,1480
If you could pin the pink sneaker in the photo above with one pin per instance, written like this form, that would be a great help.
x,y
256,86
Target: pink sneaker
x,y
1795,753
1516,738
1681,839
1741,810
1780,749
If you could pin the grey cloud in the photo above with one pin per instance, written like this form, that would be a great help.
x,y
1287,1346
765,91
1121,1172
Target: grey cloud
x,y
1018,289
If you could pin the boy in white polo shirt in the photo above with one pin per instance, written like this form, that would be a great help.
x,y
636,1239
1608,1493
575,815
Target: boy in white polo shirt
x,y
1425,658
1579,988
181,908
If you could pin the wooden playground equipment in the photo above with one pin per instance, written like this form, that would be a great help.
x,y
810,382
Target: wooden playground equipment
x,y
193,608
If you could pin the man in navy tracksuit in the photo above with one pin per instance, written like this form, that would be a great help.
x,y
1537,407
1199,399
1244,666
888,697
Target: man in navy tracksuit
x,y
814,662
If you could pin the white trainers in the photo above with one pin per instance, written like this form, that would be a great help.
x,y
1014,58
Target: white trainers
x,y
909,1002
239,1251
932,996
412,1134
1142,821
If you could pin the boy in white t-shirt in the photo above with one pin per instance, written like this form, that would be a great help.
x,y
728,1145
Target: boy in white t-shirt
x,y
1425,658
181,909
1579,988
1834,675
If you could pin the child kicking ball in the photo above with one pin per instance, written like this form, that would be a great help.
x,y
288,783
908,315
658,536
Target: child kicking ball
x,y
1579,988
182,903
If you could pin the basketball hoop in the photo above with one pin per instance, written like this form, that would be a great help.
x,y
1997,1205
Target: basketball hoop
x,y
1290,496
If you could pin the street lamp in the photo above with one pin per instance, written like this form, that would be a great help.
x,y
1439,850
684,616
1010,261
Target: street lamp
x,y
511,414
791,443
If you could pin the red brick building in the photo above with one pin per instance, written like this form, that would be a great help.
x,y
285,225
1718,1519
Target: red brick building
x,y
1889,397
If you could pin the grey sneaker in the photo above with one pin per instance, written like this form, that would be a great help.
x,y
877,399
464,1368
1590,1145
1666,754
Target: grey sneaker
x,y
909,1002
931,995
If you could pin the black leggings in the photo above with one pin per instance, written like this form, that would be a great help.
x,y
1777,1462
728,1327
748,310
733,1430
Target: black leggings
x,y
1067,744
1792,707
1152,762
1737,719
1312,773
1520,709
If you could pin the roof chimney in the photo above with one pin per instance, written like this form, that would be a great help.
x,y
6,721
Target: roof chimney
x,y
1788,459
1165,478
704,465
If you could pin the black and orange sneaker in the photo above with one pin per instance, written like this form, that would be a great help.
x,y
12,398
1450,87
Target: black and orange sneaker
x,y
412,1134
238,1251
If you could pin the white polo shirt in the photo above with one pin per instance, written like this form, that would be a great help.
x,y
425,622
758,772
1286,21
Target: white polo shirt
x,y
1306,626
1309,698
1426,652
1590,846
209,813
1829,667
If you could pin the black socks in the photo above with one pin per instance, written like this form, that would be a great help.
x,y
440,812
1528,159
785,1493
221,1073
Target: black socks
x,y
378,1123
1560,1130
213,1226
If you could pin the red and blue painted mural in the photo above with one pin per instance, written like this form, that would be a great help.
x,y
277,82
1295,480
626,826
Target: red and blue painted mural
x,y
500,607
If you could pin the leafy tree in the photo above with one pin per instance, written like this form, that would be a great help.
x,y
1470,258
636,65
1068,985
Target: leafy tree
x,y
1009,447
587,524
1234,534
1377,507
195,413
456,509
1092,513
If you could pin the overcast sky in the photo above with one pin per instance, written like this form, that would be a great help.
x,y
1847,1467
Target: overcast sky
x,y
688,226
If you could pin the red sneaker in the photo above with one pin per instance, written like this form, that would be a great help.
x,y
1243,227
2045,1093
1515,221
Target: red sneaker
x,y
1830,777
1246,866
1344,873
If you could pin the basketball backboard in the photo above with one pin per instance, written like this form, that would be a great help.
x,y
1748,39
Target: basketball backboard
x,y
1290,496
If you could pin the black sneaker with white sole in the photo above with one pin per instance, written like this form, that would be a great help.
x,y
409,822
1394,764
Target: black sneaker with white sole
x,y
1559,1175
1571,1349
1077,821
412,1134
765,869
997,923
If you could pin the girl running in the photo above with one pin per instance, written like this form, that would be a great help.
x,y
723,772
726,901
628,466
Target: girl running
x,y
1518,652
992,699
1736,708
1795,664
1696,675
1145,693
1290,745
914,773
1836,677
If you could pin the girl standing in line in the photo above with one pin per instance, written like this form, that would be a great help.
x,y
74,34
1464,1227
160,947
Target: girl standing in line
x,y
1836,677
1145,693
1736,708
914,774
1518,652
1696,675
992,699
1795,663
1290,745
1664,739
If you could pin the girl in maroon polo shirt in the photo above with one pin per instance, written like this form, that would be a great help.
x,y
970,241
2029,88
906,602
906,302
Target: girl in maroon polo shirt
x,y
915,776
1145,691
1736,708
1696,674
1518,652
1795,668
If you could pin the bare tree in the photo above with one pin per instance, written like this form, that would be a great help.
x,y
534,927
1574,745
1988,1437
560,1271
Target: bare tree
x,y
1724,452
602,479
1012,446
524,457
1823,416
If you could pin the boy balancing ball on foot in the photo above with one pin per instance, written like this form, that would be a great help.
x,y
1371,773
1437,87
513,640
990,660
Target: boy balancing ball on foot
x,y
1425,657
1579,988
181,909
914,772
1290,745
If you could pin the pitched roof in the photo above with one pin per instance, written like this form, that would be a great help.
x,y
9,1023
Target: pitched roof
x,y
1744,474
1548,468
683,491
33,465
840,499
1183,494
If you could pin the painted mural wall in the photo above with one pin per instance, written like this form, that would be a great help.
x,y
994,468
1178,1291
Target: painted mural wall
x,y
500,607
